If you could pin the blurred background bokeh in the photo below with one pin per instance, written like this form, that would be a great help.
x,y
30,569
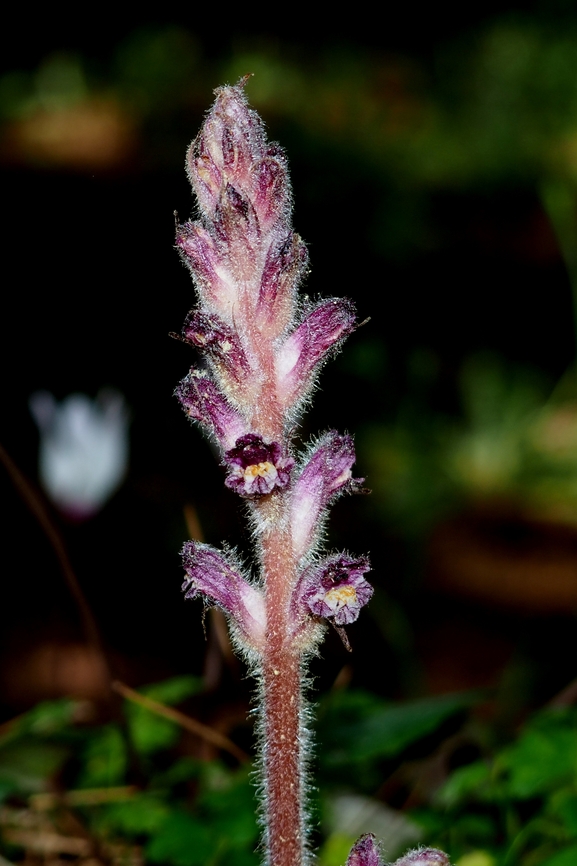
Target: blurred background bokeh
x,y
433,156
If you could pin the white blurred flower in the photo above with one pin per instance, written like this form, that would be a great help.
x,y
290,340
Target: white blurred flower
x,y
83,448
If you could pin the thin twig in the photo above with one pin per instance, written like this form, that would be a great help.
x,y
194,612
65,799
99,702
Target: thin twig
x,y
192,725
34,502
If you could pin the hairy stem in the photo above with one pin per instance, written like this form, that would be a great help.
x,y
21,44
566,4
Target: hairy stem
x,y
282,759
281,669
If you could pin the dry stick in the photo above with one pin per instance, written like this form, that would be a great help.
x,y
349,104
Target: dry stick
x,y
34,502
190,724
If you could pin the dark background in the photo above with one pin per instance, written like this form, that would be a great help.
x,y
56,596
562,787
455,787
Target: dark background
x,y
93,286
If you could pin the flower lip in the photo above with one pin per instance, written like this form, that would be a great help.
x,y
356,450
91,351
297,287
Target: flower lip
x,y
337,589
257,467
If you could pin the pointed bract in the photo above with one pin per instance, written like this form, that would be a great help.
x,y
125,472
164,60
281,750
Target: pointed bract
x,y
216,339
210,575
365,852
202,401
257,467
285,264
326,474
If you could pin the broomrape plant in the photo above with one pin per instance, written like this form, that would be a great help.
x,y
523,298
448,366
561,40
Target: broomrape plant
x,y
262,349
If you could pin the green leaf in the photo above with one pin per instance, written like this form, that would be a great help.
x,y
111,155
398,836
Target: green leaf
x,y
228,800
567,857
566,807
142,814
105,759
174,690
544,756
150,732
471,781
183,840
182,770
386,730
27,766
43,720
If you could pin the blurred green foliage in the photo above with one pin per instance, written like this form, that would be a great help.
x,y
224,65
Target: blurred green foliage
x,y
494,803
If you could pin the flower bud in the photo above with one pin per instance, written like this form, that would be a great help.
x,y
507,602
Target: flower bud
x,y
326,474
210,575
365,852
214,338
202,401
285,264
322,331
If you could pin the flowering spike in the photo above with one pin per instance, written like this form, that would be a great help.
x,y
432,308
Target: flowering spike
x,y
335,589
323,330
210,575
365,852
257,468
262,350
326,474
423,857
202,401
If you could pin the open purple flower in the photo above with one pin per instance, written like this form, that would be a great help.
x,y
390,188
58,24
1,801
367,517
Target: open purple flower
x,y
336,589
256,467
210,575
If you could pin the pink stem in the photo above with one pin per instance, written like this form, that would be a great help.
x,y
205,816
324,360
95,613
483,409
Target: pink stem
x,y
282,708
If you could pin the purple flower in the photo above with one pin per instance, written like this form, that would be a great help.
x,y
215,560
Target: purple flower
x,y
423,857
365,852
322,331
206,261
210,575
221,343
202,401
256,467
336,589
326,474
285,264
